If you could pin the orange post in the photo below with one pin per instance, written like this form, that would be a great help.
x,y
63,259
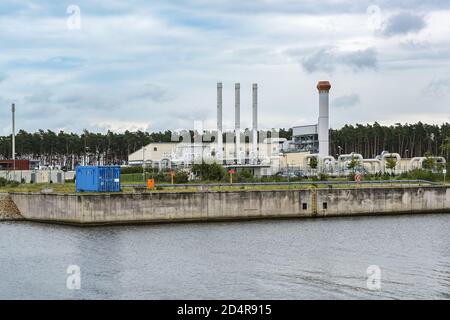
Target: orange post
x,y
151,184
172,174
231,172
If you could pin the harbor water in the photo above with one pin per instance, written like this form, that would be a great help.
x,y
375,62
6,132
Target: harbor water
x,y
271,259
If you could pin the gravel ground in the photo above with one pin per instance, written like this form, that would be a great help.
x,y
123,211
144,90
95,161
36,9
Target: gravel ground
x,y
8,209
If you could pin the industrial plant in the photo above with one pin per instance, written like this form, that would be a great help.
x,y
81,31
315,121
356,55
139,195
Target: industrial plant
x,y
258,151
306,154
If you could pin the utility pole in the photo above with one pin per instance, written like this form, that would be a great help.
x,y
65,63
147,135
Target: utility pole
x,y
13,112
143,164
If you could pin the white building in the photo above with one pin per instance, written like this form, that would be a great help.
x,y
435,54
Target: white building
x,y
183,155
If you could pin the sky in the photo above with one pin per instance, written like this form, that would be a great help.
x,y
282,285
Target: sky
x,y
154,65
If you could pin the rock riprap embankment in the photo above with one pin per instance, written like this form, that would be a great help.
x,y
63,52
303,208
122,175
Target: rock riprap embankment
x,y
8,209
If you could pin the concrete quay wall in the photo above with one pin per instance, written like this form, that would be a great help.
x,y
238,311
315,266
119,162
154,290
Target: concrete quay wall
x,y
228,205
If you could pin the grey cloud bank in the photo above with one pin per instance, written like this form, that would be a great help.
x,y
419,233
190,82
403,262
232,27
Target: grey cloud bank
x,y
327,59
403,23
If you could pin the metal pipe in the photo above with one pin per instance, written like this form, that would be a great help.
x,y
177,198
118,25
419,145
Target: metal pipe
x,y
419,160
373,161
342,157
390,155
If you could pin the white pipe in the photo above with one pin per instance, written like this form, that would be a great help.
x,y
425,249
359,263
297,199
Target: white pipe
x,y
350,156
420,161
344,158
442,160
331,162
331,158
373,161
390,155
412,162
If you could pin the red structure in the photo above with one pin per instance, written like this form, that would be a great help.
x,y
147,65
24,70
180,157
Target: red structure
x,y
17,164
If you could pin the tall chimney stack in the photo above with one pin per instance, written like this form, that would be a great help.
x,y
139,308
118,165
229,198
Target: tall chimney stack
x,y
237,121
255,124
323,123
219,151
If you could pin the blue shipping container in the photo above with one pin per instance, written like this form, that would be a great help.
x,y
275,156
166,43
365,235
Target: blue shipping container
x,y
97,179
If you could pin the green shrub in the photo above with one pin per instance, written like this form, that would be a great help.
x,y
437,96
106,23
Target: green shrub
x,y
245,176
386,176
13,184
313,162
421,174
3,182
161,177
181,177
128,170
209,171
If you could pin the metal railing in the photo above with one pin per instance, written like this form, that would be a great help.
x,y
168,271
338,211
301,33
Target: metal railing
x,y
293,183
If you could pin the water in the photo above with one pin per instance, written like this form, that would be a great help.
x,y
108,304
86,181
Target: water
x,y
271,259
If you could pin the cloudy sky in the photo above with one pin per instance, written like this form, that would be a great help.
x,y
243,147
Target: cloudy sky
x,y
154,65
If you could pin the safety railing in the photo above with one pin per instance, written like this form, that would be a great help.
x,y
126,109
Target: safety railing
x,y
293,183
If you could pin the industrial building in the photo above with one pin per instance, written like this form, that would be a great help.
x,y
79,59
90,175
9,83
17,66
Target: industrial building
x,y
261,155
268,156
15,164
183,155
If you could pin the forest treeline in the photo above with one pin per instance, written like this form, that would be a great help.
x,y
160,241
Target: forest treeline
x,y
66,149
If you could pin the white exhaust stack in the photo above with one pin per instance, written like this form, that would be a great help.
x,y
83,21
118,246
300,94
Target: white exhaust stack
x,y
219,151
255,124
237,121
323,124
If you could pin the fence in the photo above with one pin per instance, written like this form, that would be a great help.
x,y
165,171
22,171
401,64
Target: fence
x,y
380,183
37,176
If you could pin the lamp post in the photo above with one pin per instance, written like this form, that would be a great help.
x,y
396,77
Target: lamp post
x,y
143,164
279,161
13,113
284,155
